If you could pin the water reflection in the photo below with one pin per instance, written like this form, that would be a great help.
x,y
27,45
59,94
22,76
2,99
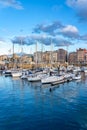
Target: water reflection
x,y
35,84
32,106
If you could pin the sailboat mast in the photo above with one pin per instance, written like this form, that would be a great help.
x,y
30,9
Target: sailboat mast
x,y
21,46
67,53
21,52
36,54
42,54
13,55
51,59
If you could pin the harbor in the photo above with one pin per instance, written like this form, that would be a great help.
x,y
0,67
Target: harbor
x,y
48,75
43,64
30,105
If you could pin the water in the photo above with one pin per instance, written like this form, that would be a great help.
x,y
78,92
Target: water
x,y
25,106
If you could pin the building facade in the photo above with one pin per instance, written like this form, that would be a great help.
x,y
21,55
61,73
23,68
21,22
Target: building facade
x,y
38,57
62,56
72,59
81,55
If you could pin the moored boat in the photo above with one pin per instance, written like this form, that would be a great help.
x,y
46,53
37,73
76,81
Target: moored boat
x,y
36,78
16,74
77,77
51,79
7,73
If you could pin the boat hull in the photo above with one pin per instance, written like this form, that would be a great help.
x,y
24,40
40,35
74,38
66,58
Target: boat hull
x,y
16,74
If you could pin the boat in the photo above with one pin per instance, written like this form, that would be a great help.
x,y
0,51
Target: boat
x,y
16,74
25,74
76,70
51,79
77,77
36,78
85,71
7,73
67,75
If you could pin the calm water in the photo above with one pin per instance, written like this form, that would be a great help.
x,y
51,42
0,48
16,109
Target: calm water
x,y
25,106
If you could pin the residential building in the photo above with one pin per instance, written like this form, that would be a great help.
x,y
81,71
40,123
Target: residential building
x,y
81,55
62,55
3,57
27,58
55,56
47,57
72,58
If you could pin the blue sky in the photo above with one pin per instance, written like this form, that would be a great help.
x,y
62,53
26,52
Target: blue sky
x,y
62,22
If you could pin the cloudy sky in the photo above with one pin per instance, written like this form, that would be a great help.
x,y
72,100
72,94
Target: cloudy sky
x,y
59,23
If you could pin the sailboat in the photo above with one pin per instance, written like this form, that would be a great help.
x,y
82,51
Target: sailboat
x,y
16,72
51,78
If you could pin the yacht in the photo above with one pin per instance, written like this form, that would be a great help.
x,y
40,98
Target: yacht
x,y
16,74
51,79
77,77
36,78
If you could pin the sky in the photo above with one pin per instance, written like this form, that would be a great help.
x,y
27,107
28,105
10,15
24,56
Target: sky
x,y
47,24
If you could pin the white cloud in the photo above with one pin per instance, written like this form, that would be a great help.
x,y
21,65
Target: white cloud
x,y
1,40
11,3
70,29
80,6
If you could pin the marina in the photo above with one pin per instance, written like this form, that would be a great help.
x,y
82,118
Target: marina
x,y
26,105
43,65
46,75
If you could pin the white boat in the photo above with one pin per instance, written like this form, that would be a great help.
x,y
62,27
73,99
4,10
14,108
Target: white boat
x,y
76,69
24,76
77,77
85,71
51,79
16,74
7,73
37,78
66,75
34,79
